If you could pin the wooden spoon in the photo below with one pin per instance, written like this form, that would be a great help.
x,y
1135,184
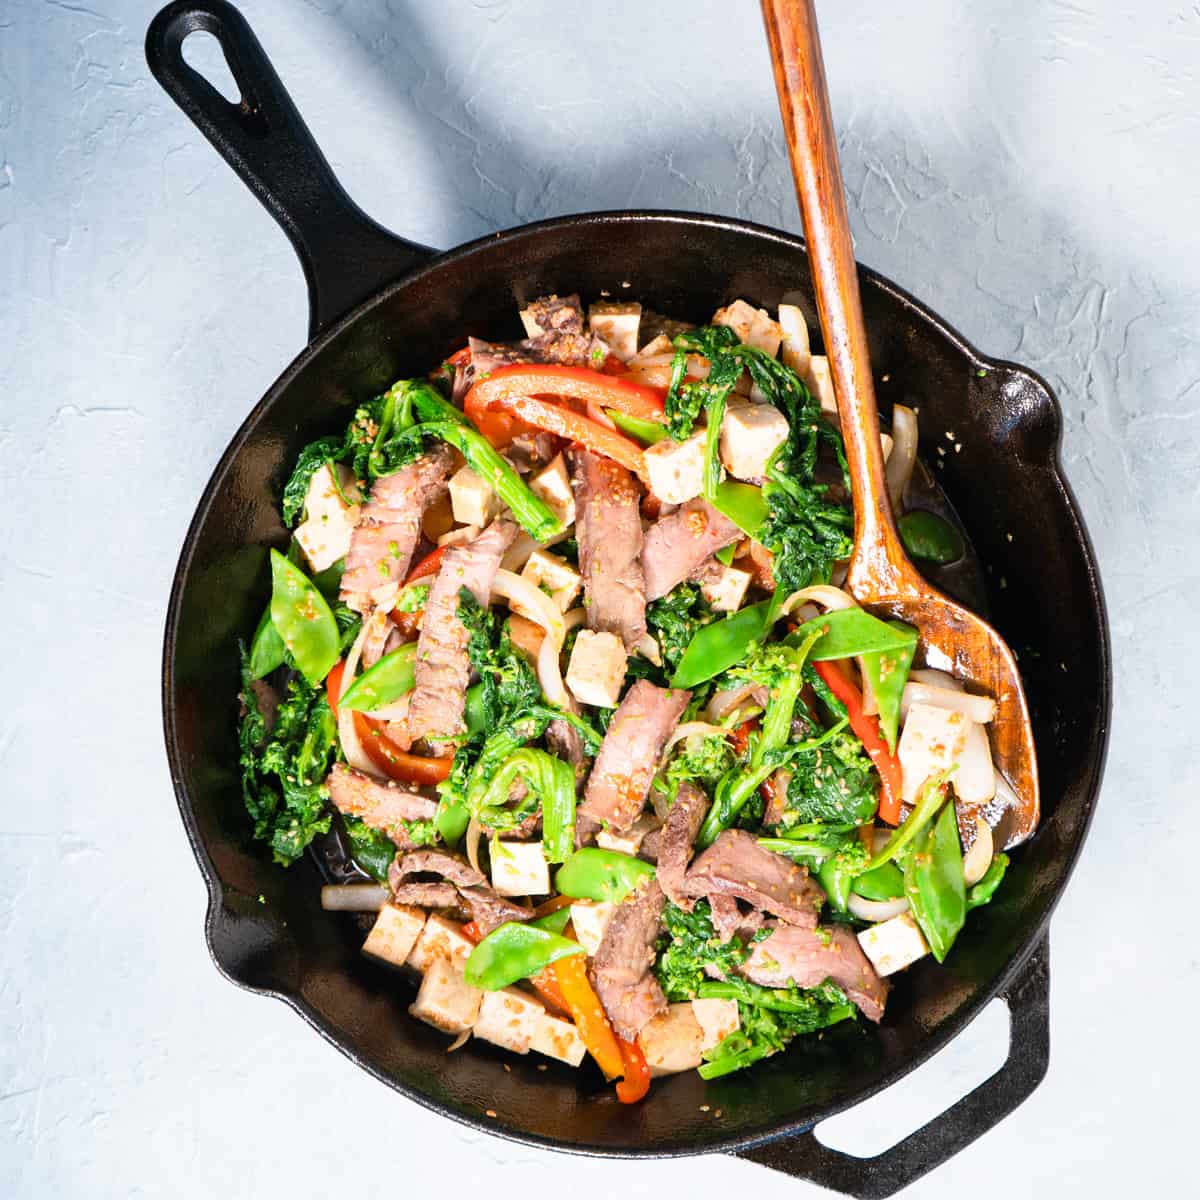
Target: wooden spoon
x,y
881,575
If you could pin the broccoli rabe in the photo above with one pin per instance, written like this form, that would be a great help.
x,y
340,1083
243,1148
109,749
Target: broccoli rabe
x,y
834,782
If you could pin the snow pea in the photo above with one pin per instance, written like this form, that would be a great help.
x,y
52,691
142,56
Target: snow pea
x,y
513,952
726,554
742,503
887,673
930,537
925,810
476,711
883,883
985,889
303,619
850,632
596,874
720,644
933,883
646,432
266,649
384,683
555,921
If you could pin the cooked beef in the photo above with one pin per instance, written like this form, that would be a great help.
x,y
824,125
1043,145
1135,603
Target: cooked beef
x,y
427,895
487,356
728,918
628,758
684,819
609,529
553,314
382,806
382,637
676,545
565,741
807,957
435,862
383,541
651,846
621,969
443,671
463,885
530,452
489,910
736,865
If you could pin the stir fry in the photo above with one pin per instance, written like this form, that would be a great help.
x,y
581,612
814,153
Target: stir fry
x,y
558,659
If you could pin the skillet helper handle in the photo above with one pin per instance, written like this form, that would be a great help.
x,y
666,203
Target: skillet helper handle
x,y
345,255
1028,999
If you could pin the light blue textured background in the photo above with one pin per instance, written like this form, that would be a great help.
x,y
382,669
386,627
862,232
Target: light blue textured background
x,y
1027,167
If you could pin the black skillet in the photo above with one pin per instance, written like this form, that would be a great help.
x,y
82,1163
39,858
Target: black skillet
x,y
383,308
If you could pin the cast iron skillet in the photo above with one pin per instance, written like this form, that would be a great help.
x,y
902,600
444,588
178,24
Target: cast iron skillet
x,y
383,308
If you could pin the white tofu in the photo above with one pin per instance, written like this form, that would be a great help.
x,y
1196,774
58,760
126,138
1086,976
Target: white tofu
x,y
820,383
675,470
555,575
932,741
519,869
440,940
597,668
717,1020
508,1018
673,1041
629,842
395,932
472,498
529,322
324,534
618,325
657,347
796,351
589,919
553,485
750,434
893,944
753,326
446,1000
726,591
556,1038
460,536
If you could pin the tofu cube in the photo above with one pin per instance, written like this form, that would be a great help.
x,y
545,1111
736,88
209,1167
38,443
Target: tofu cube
x,y
753,326
629,842
589,919
618,325
820,383
717,1020
893,944
726,591
459,536
472,498
446,1000
555,575
597,668
519,869
750,434
556,1038
794,328
508,1018
324,534
395,933
440,940
933,740
675,470
673,1040
553,485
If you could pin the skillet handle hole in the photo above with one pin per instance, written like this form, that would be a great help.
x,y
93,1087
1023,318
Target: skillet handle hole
x,y
204,54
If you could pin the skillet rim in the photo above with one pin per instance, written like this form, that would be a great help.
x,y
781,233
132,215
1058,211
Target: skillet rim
x,y
934,1041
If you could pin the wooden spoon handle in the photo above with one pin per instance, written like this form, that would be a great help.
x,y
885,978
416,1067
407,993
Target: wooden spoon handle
x,y
812,146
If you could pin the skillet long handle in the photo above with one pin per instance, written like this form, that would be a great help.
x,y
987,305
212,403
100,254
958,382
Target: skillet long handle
x,y
345,255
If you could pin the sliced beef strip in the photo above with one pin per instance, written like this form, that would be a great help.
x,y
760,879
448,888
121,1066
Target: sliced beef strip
x,y
684,819
628,757
807,957
489,910
427,895
460,885
553,314
435,711
728,918
382,544
382,637
676,545
436,862
621,969
609,529
382,806
736,865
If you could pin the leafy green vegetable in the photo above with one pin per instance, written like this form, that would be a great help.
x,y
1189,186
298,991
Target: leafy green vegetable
x,y
923,812
284,766
700,759
690,944
370,848
834,782
985,889
413,598
312,458
675,619
836,855
805,532
721,644
549,780
686,401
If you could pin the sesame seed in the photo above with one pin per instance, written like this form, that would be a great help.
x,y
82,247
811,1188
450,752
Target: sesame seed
x,y
489,1112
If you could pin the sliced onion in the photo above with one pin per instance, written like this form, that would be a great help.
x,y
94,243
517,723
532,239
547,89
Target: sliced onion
x,y
575,616
703,728
517,555
356,756
648,649
530,601
459,1042
723,703
354,897
396,711
875,910
903,457
549,673
977,860
471,842
935,678
830,598
980,709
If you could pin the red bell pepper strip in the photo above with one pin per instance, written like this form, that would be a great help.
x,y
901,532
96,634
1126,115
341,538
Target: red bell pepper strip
x,y
429,565
333,685
636,1083
867,730
396,763
577,383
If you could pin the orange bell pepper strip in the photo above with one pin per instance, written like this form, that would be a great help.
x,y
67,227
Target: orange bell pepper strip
x,y
396,763
586,1011
636,1083
867,730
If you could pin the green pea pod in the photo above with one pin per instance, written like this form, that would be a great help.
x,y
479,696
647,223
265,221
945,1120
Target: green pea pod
x,y
726,553
551,781
883,883
837,881
303,619
329,581
554,922
476,711
595,874
930,537
933,883
924,812
452,818
266,650
515,952
384,683
646,432
743,504
887,672
850,632
985,889
720,644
